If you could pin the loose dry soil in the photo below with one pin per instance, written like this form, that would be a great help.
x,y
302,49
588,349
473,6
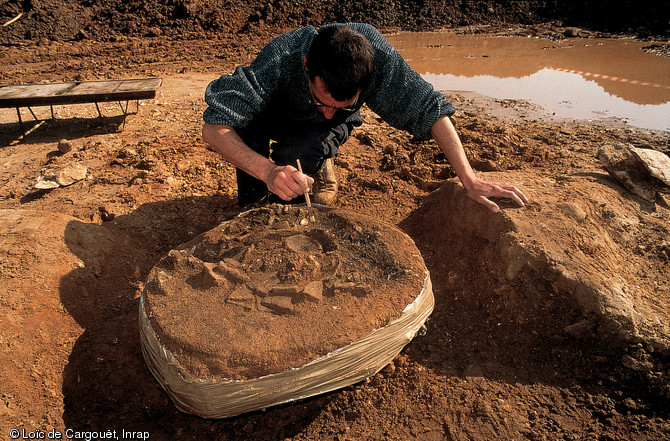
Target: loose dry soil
x,y
551,321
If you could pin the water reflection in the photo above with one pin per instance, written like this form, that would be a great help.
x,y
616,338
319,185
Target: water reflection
x,y
565,94
538,71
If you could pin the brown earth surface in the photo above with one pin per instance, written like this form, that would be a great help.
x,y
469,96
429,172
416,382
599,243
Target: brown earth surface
x,y
551,321
63,20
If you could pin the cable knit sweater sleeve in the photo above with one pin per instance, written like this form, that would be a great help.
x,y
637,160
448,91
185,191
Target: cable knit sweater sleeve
x,y
237,98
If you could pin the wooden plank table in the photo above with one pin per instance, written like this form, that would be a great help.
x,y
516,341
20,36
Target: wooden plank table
x,y
35,95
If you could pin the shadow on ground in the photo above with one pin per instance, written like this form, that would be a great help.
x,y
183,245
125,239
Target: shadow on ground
x,y
106,383
53,130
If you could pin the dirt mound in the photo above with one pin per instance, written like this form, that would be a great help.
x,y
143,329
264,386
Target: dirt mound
x,y
109,19
268,292
571,267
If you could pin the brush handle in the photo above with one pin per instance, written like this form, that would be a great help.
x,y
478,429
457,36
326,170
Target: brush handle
x,y
309,204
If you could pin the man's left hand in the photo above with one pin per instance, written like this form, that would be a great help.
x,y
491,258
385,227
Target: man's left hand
x,y
480,191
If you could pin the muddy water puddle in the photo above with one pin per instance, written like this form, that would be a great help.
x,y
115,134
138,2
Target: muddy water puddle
x,y
576,78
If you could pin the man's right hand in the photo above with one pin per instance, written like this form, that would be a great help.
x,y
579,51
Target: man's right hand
x,y
287,182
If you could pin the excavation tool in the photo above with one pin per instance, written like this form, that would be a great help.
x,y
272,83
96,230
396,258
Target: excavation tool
x,y
307,201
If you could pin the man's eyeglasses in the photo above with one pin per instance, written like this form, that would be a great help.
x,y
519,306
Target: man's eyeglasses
x,y
319,104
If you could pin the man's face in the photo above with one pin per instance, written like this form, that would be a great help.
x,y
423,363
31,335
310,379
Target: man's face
x,y
324,102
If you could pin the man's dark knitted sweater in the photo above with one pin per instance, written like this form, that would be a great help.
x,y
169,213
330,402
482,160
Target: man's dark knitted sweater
x,y
275,84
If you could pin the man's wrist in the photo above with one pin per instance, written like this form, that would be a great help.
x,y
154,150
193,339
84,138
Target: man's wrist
x,y
467,178
267,171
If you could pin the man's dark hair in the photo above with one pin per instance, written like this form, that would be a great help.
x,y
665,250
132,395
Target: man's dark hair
x,y
343,58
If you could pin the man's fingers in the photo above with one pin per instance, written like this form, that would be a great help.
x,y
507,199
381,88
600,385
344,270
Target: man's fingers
x,y
521,195
492,206
485,190
289,186
288,183
310,182
504,190
511,194
281,189
303,180
518,196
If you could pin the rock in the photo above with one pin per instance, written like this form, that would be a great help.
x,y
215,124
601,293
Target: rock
x,y
362,290
62,177
208,277
571,32
573,211
158,284
314,291
242,296
340,287
183,165
483,409
260,286
105,214
230,268
71,173
630,404
580,329
656,162
278,304
291,291
127,153
357,289
46,183
299,243
64,146
282,225
81,35
516,260
149,162
635,364
620,162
